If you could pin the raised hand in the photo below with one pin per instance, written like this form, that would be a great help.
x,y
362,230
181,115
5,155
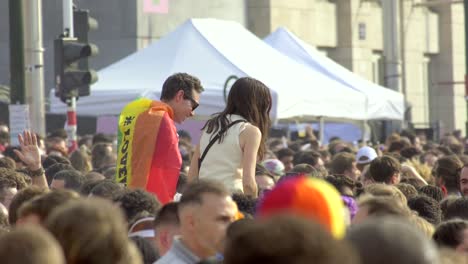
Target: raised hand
x,y
29,153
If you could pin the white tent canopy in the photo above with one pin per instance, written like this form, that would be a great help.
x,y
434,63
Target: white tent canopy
x,y
213,50
382,103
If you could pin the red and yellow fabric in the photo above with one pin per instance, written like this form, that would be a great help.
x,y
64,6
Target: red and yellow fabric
x,y
148,153
308,197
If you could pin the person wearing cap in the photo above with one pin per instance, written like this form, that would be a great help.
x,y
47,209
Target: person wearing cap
x,y
274,166
364,157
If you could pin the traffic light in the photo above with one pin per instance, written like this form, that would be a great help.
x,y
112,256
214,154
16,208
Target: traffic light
x,y
72,73
83,23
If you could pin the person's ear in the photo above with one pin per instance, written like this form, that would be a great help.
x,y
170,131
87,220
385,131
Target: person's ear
x,y
395,178
29,219
179,95
163,238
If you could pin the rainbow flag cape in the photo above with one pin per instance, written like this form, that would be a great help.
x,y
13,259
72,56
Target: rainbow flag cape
x,y
148,152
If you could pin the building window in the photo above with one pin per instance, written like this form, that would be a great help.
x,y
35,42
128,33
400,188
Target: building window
x,y
378,70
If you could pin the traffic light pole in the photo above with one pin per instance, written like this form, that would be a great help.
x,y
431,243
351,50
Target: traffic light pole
x,y
16,52
466,56
34,60
71,102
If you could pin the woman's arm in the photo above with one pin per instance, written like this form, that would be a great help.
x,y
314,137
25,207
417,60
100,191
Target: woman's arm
x,y
193,170
250,140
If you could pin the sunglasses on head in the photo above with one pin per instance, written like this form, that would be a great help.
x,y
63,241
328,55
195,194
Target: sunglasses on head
x,y
195,104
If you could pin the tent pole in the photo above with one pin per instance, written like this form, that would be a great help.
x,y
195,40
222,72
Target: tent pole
x,y
321,130
363,130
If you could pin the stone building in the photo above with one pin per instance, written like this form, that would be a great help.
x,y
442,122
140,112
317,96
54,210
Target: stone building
x,y
413,46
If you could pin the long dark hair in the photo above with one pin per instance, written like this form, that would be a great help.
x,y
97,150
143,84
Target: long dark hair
x,y
250,99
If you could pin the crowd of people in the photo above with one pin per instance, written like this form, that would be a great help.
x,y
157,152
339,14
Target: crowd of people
x,y
247,198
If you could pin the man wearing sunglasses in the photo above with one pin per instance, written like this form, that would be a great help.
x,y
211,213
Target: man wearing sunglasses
x,y
149,156
181,92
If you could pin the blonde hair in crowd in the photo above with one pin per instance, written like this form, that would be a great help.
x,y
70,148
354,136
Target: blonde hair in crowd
x,y
91,231
422,169
379,189
422,224
30,244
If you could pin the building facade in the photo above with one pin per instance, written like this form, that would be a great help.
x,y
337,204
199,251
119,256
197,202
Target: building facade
x,y
413,46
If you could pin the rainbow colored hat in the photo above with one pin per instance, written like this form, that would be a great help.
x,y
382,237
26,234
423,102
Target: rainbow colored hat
x,y
309,197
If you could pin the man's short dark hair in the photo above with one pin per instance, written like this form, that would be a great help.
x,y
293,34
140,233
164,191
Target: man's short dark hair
x,y
444,150
10,153
450,233
134,202
427,208
101,138
60,133
88,186
54,159
6,183
457,209
410,152
167,215
396,146
184,135
448,168
342,162
43,205
180,81
101,156
310,157
410,135
4,137
15,176
52,170
20,198
195,191
106,189
383,168
456,148
407,189
284,152
73,179
303,168
341,182
8,163
432,191
245,204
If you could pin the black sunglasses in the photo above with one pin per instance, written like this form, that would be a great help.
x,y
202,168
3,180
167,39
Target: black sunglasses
x,y
195,104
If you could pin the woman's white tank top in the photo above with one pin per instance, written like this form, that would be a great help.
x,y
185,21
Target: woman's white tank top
x,y
223,162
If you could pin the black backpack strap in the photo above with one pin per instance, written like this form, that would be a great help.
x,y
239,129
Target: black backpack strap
x,y
218,135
